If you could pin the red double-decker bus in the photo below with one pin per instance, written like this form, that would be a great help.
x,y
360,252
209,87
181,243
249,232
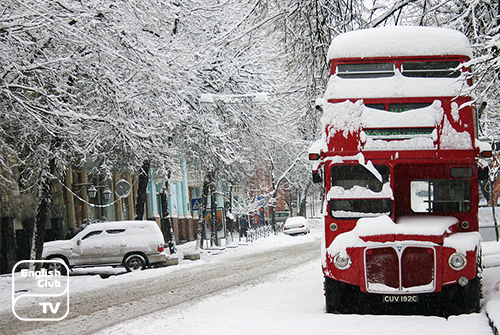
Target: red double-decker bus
x,y
398,158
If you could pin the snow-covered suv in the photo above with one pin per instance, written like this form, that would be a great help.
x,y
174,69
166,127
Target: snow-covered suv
x,y
133,244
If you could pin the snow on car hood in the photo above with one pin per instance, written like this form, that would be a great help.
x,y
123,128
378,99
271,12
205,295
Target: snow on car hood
x,y
57,245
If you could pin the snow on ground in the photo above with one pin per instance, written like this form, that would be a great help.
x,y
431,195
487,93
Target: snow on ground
x,y
290,302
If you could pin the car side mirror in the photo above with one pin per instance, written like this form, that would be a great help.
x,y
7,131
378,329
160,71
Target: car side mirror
x,y
78,242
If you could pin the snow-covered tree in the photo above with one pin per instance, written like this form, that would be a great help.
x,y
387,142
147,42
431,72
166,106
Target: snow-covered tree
x,y
231,61
74,86
42,119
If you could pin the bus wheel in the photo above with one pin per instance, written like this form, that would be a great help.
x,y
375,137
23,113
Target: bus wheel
x,y
336,296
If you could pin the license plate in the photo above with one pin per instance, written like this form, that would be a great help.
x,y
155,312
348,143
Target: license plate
x,y
400,298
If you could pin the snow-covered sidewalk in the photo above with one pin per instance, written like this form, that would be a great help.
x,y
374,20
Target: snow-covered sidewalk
x,y
289,303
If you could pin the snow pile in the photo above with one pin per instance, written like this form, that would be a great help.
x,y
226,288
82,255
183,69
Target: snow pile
x,y
482,145
491,253
359,192
399,41
491,281
317,147
290,303
417,143
463,242
351,118
427,117
453,139
421,117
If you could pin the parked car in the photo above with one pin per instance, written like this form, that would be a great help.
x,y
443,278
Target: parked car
x,y
296,225
132,244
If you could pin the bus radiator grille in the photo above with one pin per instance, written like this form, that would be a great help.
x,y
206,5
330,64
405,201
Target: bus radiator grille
x,y
399,269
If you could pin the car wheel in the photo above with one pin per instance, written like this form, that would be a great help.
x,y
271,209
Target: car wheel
x,y
53,266
135,263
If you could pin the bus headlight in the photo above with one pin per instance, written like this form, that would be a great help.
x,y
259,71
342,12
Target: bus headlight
x,y
457,261
342,261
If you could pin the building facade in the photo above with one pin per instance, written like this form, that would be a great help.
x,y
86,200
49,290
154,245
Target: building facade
x,y
74,205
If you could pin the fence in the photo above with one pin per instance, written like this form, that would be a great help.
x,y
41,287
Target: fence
x,y
262,232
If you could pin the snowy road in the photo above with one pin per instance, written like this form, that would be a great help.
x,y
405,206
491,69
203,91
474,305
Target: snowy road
x,y
93,310
272,286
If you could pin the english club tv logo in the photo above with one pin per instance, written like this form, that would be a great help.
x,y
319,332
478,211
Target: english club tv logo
x,y
41,295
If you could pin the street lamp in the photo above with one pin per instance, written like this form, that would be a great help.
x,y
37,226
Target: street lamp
x,y
261,97
106,194
207,99
92,190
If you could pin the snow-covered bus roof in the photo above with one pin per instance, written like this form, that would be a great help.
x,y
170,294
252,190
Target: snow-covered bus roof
x,y
399,41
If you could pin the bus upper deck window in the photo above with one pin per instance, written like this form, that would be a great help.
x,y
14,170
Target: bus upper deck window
x,y
437,69
365,70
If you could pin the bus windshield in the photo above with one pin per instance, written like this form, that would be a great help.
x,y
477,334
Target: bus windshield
x,y
356,192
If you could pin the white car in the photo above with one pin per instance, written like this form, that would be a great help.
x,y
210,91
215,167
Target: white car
x,y
132,244
296,225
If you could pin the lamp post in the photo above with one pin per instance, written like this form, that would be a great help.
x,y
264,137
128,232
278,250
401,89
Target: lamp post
x,y
92,190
